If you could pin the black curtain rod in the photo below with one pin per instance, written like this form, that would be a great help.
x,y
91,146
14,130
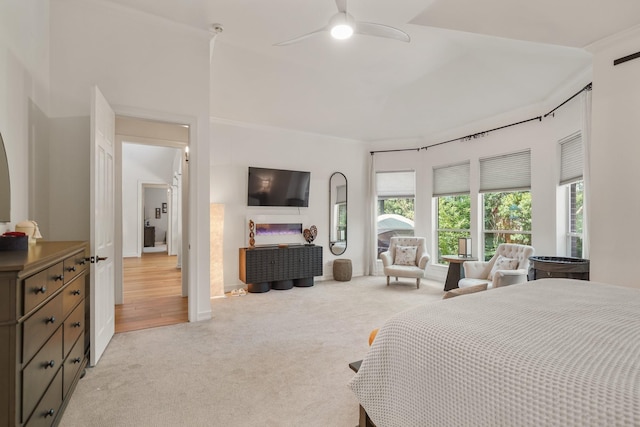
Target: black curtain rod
x,y
484,133
391,151
587,87
481,134
626,58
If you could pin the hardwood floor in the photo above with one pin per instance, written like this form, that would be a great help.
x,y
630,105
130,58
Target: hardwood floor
x,y
152,293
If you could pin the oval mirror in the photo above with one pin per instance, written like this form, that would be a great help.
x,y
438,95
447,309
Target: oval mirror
x,y
5,188
338,213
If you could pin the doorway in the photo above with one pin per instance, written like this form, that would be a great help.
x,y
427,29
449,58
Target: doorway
x,y
153,289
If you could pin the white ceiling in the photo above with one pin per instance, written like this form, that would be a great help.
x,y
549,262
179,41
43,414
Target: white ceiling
x,y
467,60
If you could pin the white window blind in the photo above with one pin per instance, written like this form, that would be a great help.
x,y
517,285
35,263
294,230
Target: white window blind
x,y
571,156
451,180
508,172
396,184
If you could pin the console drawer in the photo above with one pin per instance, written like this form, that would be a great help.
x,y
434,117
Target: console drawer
x,y
72,295
47,411
37,375
41,286
39,327
72,365
73,327
73,266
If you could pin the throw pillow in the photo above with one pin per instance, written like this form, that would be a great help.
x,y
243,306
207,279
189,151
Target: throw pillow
x,y
503,263
405,255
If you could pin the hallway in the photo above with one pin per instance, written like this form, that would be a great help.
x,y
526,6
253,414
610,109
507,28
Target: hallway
x,y
152,293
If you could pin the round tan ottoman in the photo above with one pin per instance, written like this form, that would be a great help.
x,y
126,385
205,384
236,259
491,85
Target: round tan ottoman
x,y
342,270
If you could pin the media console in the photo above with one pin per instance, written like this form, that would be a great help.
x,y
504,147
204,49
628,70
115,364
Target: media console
x,y
276,267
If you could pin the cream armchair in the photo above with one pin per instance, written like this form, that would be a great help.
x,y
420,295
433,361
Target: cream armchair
x,y
509,265
406,257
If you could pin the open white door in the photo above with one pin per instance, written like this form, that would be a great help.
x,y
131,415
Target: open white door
x,y
102,225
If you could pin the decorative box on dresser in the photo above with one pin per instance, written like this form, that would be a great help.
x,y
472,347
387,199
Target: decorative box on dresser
x,y
43,351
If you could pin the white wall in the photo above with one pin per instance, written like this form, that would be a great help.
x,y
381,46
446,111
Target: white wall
x,y
541,137
24,100
615,148
147,67
153,199
142,164
235,147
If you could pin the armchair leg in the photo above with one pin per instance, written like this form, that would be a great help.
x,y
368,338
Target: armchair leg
x,y
387,280
418,283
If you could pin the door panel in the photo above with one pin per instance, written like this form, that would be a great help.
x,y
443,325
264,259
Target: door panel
x,y
102,225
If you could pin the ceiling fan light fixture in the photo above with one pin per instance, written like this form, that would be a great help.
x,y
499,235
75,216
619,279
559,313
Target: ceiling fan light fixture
x,y
342,26
341,31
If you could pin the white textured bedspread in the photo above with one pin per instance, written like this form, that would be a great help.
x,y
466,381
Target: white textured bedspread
x,y
552,352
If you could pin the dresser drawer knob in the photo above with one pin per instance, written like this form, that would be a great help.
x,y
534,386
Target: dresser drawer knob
x,y
75,292
50,364
75,325
49,413
76,361
40,290
72,268
58,277
51,320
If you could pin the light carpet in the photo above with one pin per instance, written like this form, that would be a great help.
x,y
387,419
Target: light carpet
x,y
278,358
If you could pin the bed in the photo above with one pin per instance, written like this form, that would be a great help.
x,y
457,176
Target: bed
x,y
552,352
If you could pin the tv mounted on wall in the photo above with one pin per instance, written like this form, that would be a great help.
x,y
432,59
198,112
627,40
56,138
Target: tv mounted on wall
x,y
278,187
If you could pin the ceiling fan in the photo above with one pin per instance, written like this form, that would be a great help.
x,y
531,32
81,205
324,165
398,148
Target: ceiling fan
x,y
342,26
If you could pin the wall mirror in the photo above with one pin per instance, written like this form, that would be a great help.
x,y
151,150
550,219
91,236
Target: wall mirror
x,y
5,188
337,213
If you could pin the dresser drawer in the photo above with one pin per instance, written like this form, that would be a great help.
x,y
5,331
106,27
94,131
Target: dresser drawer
x,y
73,328
37,375
39,327
73,266
41,286
72,365
72,294
47,410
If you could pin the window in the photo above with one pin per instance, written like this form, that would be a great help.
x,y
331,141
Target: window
x,y
451,190
396,201
574,235
571,165
507,219
505,182
454,214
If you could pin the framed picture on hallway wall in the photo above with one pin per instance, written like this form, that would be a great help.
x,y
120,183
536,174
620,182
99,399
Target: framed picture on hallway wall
x,y
158,213
164,208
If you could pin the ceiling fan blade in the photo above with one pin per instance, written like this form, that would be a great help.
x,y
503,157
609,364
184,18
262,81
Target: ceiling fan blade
x,y
379,30
300,38
342,5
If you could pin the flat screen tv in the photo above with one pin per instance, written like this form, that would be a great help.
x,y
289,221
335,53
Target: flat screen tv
x,y
278,187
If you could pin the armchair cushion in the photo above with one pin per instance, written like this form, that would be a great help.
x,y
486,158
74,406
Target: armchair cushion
x,y
405,255
503,263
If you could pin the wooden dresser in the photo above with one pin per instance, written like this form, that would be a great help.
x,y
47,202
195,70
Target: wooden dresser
x,y
42,330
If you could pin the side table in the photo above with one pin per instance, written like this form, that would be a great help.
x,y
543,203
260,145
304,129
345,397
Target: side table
x,y
455,272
